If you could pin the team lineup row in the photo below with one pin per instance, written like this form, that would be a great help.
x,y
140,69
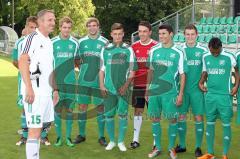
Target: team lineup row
x,y
167,77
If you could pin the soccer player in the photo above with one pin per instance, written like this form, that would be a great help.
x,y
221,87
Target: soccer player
x,y
65,48
141,49
193,96
31,24
217,72
89,52
117,72
36,67
238,94
166,69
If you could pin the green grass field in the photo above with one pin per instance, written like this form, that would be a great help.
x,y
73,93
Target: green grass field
x,y
10,123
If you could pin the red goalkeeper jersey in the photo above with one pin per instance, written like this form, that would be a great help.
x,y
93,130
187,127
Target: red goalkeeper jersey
x,y
141,52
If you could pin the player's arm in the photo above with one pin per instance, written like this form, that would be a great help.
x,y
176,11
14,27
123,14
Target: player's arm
x,y
182,68
15,56
202,80
236,84
15,63
181,91
55,89
132,67
24,70
123,89
102,75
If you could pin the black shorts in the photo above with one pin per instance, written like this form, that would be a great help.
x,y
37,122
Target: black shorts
x,y
138,97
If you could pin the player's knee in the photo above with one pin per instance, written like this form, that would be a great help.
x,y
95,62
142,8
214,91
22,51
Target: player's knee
x,y
100,109
34,133
154,119
138,111
198,118
182,117
173,120
83,107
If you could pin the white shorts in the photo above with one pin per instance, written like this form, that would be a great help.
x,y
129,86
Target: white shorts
x,y
39,112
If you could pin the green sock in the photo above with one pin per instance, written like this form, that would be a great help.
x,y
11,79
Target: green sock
x,y
199,129
182,130
101,124
69,122
157,132
238,108
24,125
82,119
110,128
122,128
210,134
227,135
172,133
58,124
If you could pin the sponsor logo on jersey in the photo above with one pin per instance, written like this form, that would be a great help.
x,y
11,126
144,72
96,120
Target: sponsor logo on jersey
x,y
115,61
164,63
216,71
222,62
64,54
137,51
92,53
194,62
86,47
208,63
141,59
58,47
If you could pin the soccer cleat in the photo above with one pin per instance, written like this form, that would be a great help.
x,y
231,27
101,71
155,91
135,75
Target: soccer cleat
x,y
20,131
102,141
22,141
179,149
134,145
207,156
110,145
172,154
58,142
225,157
45,141
154,153
69,142
79,139
122,147
198,152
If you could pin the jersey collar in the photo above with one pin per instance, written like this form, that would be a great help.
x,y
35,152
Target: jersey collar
x,y
147,43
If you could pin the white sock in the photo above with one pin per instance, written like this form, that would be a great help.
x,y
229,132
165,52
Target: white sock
x,y
137,127
39,144
32,149
154,142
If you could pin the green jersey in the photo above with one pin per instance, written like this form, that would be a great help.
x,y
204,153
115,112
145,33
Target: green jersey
x,y
89,53
219,70
16,52
238,59
194,62
117,62
167,64
65,52
17,49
